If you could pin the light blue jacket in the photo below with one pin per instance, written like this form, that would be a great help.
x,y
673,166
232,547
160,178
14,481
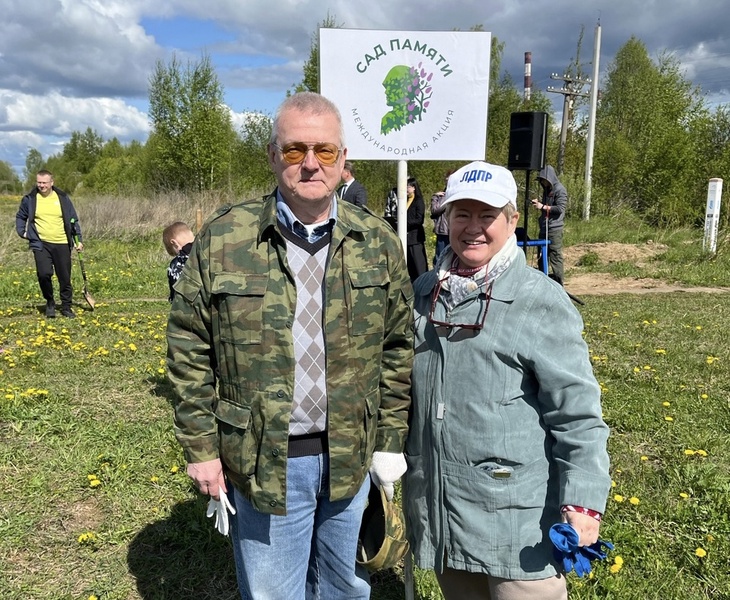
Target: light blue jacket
x,y
519,396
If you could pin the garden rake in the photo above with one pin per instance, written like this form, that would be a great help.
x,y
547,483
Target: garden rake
x,y
87,295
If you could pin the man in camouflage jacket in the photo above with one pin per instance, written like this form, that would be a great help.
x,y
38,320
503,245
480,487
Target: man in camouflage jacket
x,y
235,362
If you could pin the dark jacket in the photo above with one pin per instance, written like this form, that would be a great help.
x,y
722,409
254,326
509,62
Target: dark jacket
x,y
25,218
415,233
176,266
415,216
556,198
356,194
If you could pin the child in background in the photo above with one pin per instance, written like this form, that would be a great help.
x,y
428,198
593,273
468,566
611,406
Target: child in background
x,y
178,240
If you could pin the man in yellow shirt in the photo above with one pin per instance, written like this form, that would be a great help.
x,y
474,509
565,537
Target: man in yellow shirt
x,y
48,220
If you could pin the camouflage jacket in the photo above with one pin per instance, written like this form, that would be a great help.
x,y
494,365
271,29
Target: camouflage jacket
x,y
231,354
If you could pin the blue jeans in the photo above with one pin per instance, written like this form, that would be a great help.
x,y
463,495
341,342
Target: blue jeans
x,y
309,554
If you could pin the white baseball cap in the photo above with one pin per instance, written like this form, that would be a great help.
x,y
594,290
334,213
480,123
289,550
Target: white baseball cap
x,y
491,184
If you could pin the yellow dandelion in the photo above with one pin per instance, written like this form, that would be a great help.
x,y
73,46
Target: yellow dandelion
x,y
154,479
704,396
660,351
647,367
644,458
684,495
669,418
698,327
701,452
174,469
689,452
666,404
618,498
132,347
95,483
634,500
637,369
618,562
88,537
91,477
701,552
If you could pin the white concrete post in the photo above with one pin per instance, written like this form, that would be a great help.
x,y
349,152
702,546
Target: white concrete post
x,y
712,215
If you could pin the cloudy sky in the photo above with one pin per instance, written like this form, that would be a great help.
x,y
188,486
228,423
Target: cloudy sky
x,y
66,65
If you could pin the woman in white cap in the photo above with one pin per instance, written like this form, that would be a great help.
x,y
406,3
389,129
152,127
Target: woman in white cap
x,y
506,436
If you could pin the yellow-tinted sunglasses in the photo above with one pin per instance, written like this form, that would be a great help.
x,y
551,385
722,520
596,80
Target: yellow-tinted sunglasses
x,y
295,152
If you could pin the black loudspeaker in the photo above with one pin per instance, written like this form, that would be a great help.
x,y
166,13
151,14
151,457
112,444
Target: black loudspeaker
x,y
527,141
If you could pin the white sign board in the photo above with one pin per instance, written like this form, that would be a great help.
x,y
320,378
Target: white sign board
x,y
712,215
408,95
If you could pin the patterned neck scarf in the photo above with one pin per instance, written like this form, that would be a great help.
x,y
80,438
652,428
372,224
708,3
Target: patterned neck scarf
x,y
462,282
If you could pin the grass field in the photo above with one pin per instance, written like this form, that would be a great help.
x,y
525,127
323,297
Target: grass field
x,y
94,500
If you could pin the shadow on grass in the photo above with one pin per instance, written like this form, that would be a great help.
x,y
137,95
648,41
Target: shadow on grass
x,y
161,388
183,557
79,309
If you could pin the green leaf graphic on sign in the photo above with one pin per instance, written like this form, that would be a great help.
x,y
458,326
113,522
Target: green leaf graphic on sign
x,y
407,91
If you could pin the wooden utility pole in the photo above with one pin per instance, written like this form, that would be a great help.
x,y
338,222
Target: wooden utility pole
x,y
572,88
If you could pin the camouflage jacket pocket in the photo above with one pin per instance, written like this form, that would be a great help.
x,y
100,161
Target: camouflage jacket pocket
x,y
237,446
239,298
187,287
368,299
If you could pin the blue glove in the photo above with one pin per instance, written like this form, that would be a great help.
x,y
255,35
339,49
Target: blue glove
x,y
570,554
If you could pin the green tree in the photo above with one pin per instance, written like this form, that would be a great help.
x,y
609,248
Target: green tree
x,y
119,171
192,135
647,156
33,164
310,76
82,151
251,171
9,180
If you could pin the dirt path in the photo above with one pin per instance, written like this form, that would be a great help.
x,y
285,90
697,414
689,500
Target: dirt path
x,y
587,284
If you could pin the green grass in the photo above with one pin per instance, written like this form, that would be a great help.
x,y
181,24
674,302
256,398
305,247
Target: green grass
x,y
86,400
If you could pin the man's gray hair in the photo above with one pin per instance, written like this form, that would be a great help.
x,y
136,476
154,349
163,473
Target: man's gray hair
x,y
307,102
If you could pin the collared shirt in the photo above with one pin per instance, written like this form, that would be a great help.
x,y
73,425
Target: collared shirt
x,y
289,220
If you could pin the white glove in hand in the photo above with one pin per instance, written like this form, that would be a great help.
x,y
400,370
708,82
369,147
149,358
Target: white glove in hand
x,y
220,508
386,469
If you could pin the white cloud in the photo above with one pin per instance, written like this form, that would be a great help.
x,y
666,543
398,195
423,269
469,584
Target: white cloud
x,y
46,122
79,48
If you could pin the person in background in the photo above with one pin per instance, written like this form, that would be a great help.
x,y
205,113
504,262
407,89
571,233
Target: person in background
x,y
351,190
178,240
415,233
290,349
552,207
440,225
506,436
48,220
